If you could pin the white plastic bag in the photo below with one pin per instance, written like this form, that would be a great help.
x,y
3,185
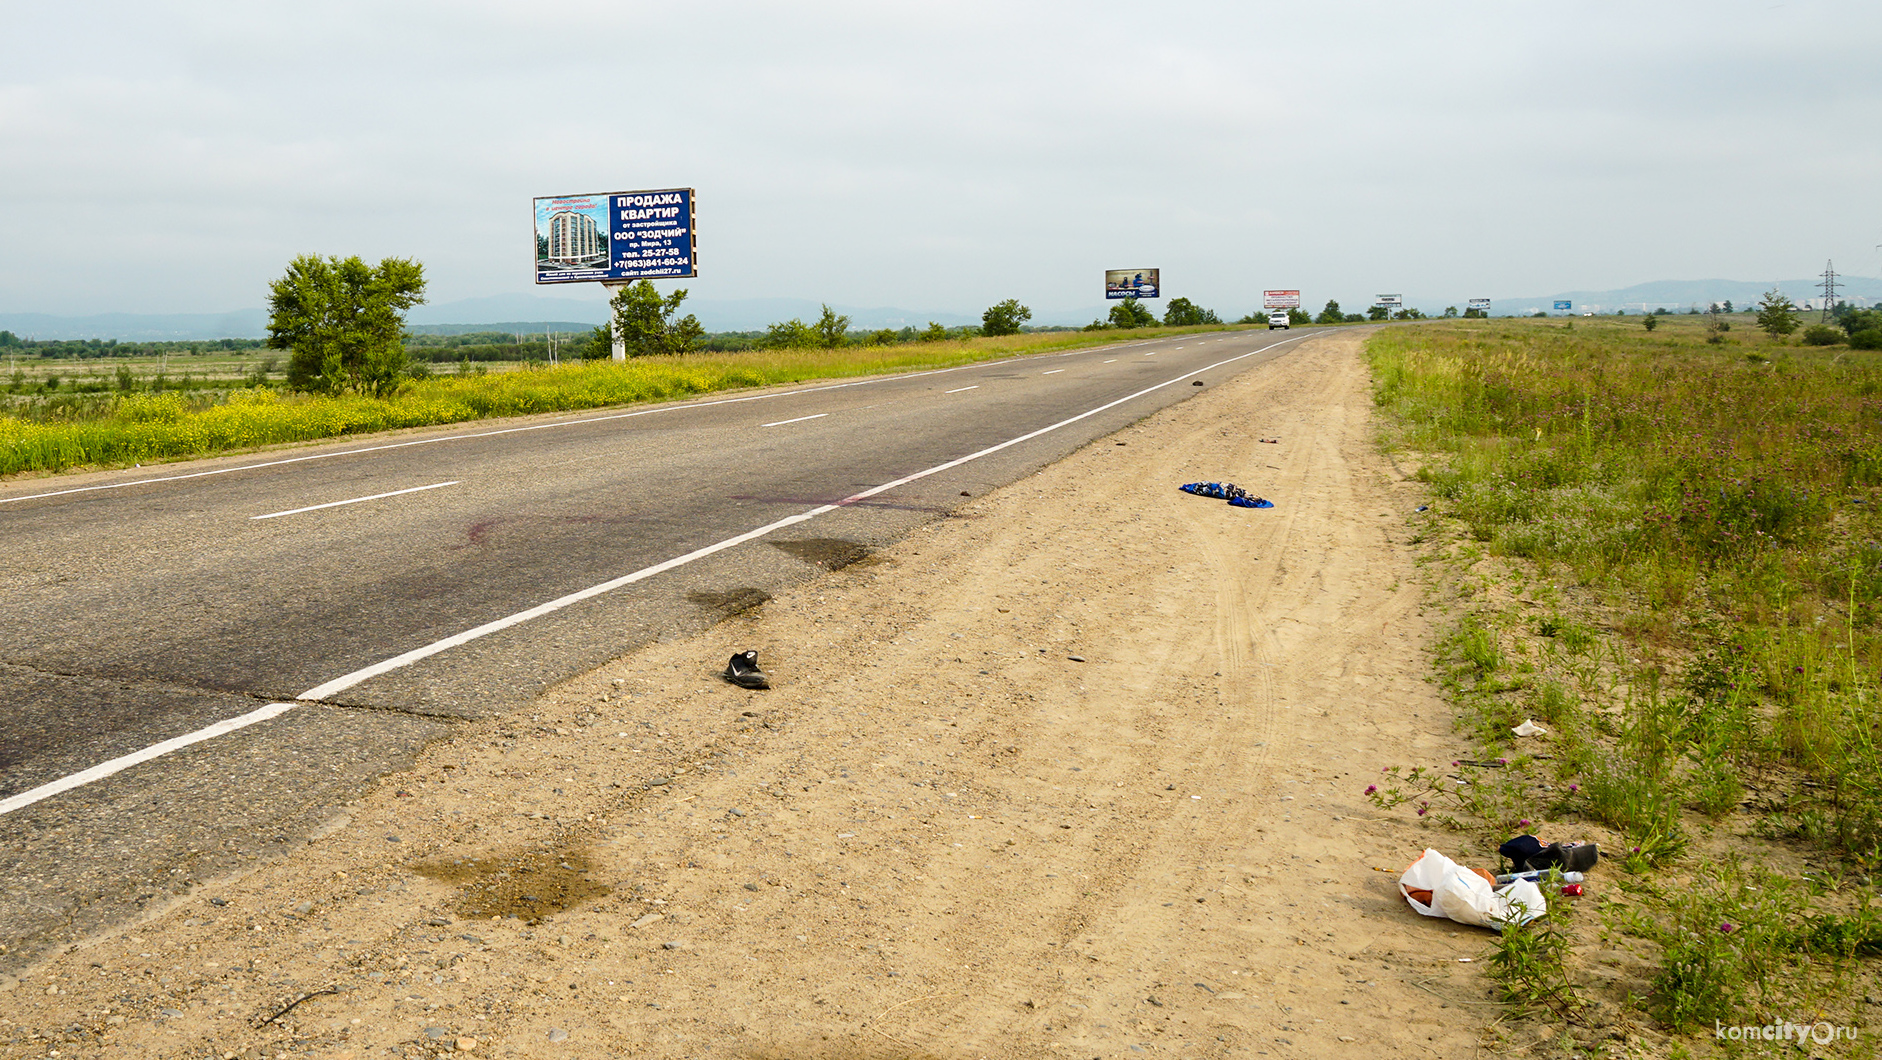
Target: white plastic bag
x,y
1468,898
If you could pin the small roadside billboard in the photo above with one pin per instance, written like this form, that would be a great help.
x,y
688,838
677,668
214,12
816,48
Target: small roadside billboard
x,y
1280,299
1131,283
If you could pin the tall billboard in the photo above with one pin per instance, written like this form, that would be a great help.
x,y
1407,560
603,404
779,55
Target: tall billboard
x,y
1280,299
1390,299
1563,305
615,236
1129,283
1478,303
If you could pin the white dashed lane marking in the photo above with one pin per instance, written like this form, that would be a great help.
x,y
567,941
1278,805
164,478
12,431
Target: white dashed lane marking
x,y
355,500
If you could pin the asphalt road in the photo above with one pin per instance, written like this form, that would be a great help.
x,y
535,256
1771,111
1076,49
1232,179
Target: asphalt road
x,y
146,604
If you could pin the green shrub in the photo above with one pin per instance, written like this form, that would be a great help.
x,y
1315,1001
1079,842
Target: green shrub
x,y
1529,962
1822,335
1129,313
1475,650
150,408
1722,941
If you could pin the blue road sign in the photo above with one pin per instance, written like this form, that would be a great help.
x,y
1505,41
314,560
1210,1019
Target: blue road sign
x,y
1564,305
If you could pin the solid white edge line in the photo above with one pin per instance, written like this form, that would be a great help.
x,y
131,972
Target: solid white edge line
x,y
473,435
156,750
355,500
1054,371
962,390
799,419
338,684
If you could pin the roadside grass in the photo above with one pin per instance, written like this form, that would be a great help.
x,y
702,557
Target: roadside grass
x,y
1665,550
115,429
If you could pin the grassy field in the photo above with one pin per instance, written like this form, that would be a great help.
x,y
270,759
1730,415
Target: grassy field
x,y
1666,550
230,404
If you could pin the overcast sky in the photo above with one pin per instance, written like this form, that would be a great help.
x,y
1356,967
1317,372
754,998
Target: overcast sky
x,y
172,157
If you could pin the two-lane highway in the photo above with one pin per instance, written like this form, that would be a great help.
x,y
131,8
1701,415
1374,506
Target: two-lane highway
x,y
395,581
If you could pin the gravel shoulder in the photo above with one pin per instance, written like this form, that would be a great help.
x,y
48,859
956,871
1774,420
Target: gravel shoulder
x,y
1073,773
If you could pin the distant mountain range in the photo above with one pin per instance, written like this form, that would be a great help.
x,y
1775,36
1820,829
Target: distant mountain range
x,y
1684,294
141,327
517,313
534,313
500,312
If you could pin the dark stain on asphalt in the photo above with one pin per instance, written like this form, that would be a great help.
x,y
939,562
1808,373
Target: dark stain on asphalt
x,y
731,601
480,532
830,553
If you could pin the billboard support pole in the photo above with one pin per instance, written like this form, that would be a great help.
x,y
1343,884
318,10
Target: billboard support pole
x,y
620,340
645,234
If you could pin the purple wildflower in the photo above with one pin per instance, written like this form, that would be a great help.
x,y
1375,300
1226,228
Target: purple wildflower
x,y
1370,788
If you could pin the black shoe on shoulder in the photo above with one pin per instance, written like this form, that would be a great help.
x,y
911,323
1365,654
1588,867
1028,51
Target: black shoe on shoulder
x,y
743,671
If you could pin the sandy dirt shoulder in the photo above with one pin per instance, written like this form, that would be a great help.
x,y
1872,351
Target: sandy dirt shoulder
x,y
1074,773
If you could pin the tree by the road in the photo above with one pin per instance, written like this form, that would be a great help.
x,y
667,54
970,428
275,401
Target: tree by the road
x,y
343,322
831,329
1331,314
1182,312
599,345
792,334
644,321
1777,315
1004,318
1130,313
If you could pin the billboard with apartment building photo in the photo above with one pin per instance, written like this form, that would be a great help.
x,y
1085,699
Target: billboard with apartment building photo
x,y
615,236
